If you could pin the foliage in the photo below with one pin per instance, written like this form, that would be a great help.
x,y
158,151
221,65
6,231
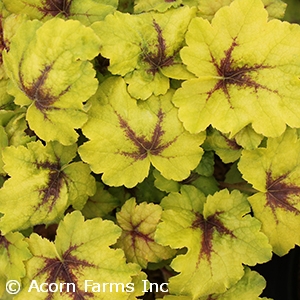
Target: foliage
x,y
146,134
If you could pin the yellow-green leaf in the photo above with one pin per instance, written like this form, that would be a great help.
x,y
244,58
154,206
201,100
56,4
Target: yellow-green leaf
x,y
127,136
246,68
274,172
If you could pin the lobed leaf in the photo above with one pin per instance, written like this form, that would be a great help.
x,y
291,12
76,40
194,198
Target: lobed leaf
x,y
242,76
13,131
13,253
226,148
86,11
42,184
274,172
100,204
127,136
138,223
208,9
248,287
60,79
156,5
212,230
81,251
148,48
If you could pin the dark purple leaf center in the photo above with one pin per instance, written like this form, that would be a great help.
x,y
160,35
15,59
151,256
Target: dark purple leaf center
x,y
4,242
279,194
208,227
2,41
158,59
56,7
144,146
56,178
136,234
231,74
64,271
42,97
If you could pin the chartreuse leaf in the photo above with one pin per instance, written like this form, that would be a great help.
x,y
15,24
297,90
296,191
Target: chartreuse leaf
x,y
207,9
148,48
212,230
100,204
16,129
201,177
207,185
164,184
13,252
156,5
81,259
138,223
274,172
42,184
242,76
58,81
248,139
127,136
161,6
249,287
12,133
5,99
275,8
227,149
3,144
86,11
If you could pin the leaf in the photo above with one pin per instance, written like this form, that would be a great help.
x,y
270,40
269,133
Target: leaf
x,y
61,78
13,131
248,139
13,252
138,223
100,204
207,9
148,48
275,8
86,11
227,149
42,184
156,5
249,287
5,99
127,136
274,172
211,229
81,251
242,76
206,166
164,184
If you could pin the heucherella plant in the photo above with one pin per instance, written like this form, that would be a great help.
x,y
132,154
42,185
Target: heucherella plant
x,y
148,149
